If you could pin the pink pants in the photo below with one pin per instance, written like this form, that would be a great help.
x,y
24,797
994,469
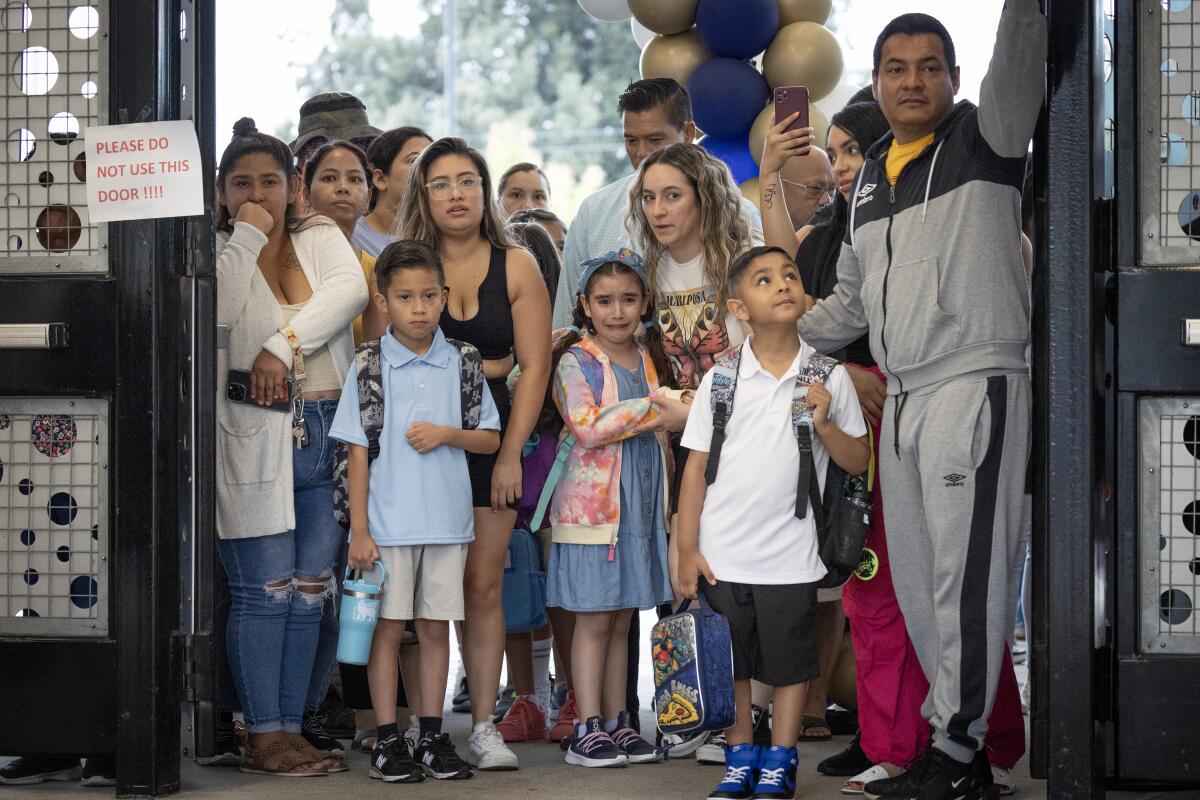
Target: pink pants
x,y
891,684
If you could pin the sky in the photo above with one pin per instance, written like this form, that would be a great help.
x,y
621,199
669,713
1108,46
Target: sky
x,y
257,41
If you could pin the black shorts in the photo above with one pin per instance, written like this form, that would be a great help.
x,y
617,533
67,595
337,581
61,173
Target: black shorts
x,y
771,628
480,465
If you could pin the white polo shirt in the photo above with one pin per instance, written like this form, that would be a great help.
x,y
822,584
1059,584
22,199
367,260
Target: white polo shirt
x,y
748,528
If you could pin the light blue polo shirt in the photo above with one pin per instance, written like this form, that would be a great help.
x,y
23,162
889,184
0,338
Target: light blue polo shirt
x,y
416,498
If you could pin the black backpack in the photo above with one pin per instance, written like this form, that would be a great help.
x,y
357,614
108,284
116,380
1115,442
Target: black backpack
x,y
843,515
370,409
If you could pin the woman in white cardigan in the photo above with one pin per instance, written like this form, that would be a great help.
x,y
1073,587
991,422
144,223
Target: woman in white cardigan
x,y
288,290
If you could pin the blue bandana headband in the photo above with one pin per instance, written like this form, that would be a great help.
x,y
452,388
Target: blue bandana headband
x,y
624,256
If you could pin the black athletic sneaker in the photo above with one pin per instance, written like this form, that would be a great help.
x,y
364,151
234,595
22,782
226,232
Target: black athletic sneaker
x,y
392,763
99,772
226,752
437,758
339,720
907,781
947,779
312,728
35,769
761,718
461,702
847,763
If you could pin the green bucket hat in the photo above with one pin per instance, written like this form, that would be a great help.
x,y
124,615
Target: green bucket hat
x,y
332,115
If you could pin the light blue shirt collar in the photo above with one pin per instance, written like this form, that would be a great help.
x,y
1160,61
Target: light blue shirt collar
x,y
397,355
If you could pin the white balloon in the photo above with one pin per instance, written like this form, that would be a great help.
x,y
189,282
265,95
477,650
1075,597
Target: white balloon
x,y
641,34
836,100
607,10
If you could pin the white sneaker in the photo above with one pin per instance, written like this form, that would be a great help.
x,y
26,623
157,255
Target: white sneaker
x,y
677,745
1003,781
413,733
486,749
713,750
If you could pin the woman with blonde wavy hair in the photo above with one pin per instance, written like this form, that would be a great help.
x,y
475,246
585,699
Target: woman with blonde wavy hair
x,y
497,302
685,211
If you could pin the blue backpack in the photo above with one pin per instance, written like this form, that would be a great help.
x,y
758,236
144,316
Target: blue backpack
x,y
692,654
524,594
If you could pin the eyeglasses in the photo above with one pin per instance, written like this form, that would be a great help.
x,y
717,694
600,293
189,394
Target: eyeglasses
x,y
440,190
813,190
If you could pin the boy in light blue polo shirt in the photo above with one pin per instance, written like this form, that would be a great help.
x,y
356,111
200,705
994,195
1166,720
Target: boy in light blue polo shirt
x,y
411,507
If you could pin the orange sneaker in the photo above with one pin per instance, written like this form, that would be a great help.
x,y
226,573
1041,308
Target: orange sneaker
x,y
568,718
524,722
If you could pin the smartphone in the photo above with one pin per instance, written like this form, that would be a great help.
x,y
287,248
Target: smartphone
x,y
789,100
237,390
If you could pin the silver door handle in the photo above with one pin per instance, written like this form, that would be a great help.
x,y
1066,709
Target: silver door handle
x,y
34,336
1191,332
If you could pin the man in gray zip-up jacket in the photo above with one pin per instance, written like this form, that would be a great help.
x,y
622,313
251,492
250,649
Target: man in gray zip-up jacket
x,y
931,267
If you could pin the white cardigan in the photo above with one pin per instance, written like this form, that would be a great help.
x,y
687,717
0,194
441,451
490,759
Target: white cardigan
x,y
254,445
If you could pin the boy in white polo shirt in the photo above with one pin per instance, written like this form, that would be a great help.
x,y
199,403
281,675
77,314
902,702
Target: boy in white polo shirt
x,y
744,533
411,507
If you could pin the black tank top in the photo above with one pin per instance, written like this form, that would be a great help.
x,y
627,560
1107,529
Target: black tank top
x,y
491,329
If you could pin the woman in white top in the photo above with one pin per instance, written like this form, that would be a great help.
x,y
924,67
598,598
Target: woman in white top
x,y
287,292
685,213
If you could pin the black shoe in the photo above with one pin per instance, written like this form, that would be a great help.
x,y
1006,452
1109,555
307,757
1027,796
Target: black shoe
x,y
847,763
226,752
461,702
339,720
761,718
947,779
312,728
906,781
842,722
437,757
35,769
99,772
392,763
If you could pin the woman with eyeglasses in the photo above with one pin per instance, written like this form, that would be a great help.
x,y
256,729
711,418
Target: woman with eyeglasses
x,y
498,303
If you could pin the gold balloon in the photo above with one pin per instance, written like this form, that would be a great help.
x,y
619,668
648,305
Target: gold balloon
x,y
804,54
765,118
673,56
801,11
842,686
665,16
750,191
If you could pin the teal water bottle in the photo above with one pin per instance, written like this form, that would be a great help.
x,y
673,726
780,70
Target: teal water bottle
x,y
359,613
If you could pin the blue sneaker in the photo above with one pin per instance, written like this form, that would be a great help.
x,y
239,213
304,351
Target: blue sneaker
x,y
776,774
741,764
595,748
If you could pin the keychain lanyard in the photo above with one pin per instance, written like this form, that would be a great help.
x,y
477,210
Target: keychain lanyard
x,y
299,433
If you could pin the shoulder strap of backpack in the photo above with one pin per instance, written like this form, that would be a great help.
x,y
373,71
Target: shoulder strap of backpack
x,y
724,386
471,383
817,368
370,394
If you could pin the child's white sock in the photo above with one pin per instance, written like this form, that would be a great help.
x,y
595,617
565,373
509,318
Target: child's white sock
x,y
543,650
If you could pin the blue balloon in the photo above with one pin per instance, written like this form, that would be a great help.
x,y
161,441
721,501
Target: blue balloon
x,y
736,155
727,95
737,28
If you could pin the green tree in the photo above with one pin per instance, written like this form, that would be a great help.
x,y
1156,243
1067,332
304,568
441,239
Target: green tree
x,y
536,80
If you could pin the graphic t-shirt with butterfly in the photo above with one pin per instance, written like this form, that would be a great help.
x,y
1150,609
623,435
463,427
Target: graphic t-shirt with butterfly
x,y
694,332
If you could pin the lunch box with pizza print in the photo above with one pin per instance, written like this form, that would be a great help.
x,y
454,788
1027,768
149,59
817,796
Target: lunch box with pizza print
x,y
693,670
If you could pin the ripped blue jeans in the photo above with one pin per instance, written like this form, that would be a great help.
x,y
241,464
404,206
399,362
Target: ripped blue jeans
x,y
279,584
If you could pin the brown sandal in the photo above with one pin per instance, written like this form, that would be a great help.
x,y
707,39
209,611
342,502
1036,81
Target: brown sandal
x,y
324,758
287,763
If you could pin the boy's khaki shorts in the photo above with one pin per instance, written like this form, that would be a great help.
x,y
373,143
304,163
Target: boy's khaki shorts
x,y
424,581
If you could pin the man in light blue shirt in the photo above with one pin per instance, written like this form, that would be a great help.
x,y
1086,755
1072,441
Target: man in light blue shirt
x,y
655,113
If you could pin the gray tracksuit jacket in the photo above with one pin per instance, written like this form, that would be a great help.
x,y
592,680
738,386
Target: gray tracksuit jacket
x,y
932,268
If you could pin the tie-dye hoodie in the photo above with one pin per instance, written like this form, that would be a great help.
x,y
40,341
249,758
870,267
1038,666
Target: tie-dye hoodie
x,y
587,501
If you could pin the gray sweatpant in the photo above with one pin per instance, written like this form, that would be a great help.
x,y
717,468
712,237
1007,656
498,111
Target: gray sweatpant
x,y
952,507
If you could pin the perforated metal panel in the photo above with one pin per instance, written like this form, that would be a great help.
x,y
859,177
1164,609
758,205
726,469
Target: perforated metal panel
x,y
1170,516
56,88
53,516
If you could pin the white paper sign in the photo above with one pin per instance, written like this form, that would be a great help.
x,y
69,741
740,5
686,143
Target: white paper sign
x,y
143,171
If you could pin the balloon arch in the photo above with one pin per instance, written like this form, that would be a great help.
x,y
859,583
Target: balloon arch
x,y
731,54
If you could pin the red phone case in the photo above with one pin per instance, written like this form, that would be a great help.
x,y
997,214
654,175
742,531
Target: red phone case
x,y
789,100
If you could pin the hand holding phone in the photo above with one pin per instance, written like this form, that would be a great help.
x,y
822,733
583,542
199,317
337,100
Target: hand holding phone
x,y
790,100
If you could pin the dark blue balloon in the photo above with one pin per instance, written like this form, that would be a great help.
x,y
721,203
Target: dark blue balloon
x,y
727,95
736,155
737,28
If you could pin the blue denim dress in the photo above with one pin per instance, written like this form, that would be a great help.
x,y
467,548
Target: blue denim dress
x,y
580,577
